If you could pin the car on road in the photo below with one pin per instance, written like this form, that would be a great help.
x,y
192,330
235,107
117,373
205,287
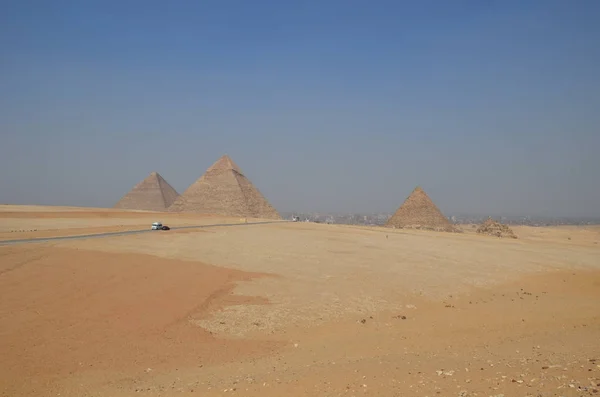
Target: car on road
x,y
160,226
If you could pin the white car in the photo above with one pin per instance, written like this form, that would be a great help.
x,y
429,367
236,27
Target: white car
x,y
157,226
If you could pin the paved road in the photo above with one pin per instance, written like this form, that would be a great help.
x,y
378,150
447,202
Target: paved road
x,y
114,234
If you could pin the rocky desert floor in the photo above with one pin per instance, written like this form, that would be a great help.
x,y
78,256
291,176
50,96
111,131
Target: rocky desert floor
x,y
293,309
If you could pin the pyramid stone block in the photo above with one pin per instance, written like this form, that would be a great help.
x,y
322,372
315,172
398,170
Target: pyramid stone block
x,y
224,190
152,194
419,212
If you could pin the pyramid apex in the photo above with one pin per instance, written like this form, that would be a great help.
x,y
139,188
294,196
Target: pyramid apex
x,y
418,191
155,175
225,163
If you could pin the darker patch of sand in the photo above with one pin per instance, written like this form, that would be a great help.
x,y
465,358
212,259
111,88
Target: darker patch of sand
x,y
65,312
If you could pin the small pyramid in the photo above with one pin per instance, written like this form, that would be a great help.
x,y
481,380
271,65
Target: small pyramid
x,y
495,228
151,194
224,190
419,212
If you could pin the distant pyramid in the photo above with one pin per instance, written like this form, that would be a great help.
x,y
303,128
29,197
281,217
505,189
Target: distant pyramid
x,y
419,212
224,190
151,194
495,228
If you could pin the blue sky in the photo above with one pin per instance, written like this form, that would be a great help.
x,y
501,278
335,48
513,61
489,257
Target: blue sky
x,y
492,106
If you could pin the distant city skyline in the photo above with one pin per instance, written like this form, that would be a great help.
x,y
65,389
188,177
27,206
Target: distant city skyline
x,y
326,106
382,218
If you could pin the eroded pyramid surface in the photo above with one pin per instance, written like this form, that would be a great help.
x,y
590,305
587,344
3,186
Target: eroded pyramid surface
x,y
492,227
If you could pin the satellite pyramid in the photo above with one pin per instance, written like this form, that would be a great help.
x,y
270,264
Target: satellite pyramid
x,y
151,194
224,190
495,228
419,212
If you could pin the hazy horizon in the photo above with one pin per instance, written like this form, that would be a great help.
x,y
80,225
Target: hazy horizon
x,y
493,108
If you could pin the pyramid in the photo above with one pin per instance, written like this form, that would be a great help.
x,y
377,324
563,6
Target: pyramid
x,y
495,228
224,190
419,212
151,194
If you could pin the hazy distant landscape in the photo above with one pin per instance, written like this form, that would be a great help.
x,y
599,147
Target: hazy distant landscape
x,y
381,218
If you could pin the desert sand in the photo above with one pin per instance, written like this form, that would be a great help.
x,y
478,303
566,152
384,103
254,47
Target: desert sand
x,y
293,309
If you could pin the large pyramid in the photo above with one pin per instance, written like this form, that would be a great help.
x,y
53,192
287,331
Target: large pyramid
x,y
224,190
151,194
419,212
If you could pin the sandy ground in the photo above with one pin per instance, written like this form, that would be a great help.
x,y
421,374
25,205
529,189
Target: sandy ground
x,y
300,309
